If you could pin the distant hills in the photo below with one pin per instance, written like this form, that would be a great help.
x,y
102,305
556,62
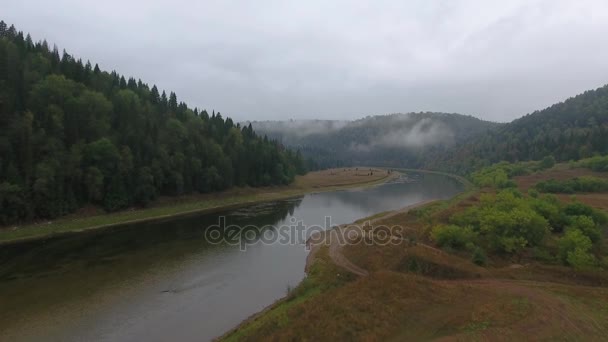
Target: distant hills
x,y
570,130
396,140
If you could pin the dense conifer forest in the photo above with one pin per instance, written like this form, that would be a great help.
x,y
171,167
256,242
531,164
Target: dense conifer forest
x,y
574,129
72,135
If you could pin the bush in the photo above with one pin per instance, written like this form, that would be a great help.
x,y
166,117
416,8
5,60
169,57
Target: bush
x,y
555,187
587,226
580,209
598,163
533,193
479,257
574,249
579,184
453,236
547,162
549,208
581,259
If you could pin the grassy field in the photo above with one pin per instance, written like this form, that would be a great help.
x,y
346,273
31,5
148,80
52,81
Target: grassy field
x,y
415,291
326,180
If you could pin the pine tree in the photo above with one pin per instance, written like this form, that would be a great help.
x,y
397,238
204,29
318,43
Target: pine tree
x,y
29,44
173,101
154,96
3,29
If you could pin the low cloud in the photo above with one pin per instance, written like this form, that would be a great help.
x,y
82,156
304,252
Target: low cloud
x,y
299,128
257,60
402,133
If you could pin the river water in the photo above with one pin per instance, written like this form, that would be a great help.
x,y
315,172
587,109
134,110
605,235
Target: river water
x,y
172,280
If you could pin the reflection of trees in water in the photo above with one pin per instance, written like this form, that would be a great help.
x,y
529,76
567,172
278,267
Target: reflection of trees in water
x,y
179,237
174,238
263,213
259,218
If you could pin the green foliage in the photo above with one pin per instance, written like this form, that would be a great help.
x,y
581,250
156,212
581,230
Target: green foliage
x,y
510,223
479,257
375,140
597,163
12,203
547,162
581,209
497,175
72,134
574,249
571,130
533,193
550,208
453,236
506,222
578,184
587,226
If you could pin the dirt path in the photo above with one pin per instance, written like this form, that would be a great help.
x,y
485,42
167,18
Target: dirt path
x,y
336,240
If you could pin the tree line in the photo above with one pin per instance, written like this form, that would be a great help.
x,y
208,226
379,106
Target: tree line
x,y
571,130
395,140
73,135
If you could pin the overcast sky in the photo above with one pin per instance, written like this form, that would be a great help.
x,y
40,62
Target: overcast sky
x,y
256,60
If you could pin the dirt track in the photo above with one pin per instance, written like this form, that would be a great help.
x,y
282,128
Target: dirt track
x,y
336,241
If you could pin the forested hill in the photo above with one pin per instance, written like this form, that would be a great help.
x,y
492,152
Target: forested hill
x,y
397,140
72,134
570,130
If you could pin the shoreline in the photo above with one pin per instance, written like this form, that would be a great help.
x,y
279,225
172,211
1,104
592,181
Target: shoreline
x,y
314,249
87,224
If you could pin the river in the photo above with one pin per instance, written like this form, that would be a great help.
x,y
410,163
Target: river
x,y
166,280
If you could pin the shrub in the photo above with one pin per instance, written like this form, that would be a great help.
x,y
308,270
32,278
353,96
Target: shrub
x,y
549,208
580,209
579,184
598,163
453,236
479,257
533,193
574,249
581,259
547,162
587,226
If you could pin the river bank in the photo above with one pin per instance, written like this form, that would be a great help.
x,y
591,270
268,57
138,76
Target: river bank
x,y
414,290
169,279
327,268
318,181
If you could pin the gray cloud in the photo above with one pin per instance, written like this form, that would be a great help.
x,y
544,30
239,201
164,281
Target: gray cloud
x,y
299,128
257,60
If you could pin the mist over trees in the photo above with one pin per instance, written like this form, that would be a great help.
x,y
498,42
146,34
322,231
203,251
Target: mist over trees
x,y
571,130
72,134
396,140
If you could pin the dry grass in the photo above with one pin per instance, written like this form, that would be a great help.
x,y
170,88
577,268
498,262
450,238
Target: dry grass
x,y
563,172
416,292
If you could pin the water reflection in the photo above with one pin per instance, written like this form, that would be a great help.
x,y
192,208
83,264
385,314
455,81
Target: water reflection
x,y
163,281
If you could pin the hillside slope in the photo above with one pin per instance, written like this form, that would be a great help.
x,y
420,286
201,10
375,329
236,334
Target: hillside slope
x,y
569,130
405,140
72,135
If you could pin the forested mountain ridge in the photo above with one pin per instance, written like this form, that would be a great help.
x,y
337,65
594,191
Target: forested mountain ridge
x,y
396,140
570,130
72,134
